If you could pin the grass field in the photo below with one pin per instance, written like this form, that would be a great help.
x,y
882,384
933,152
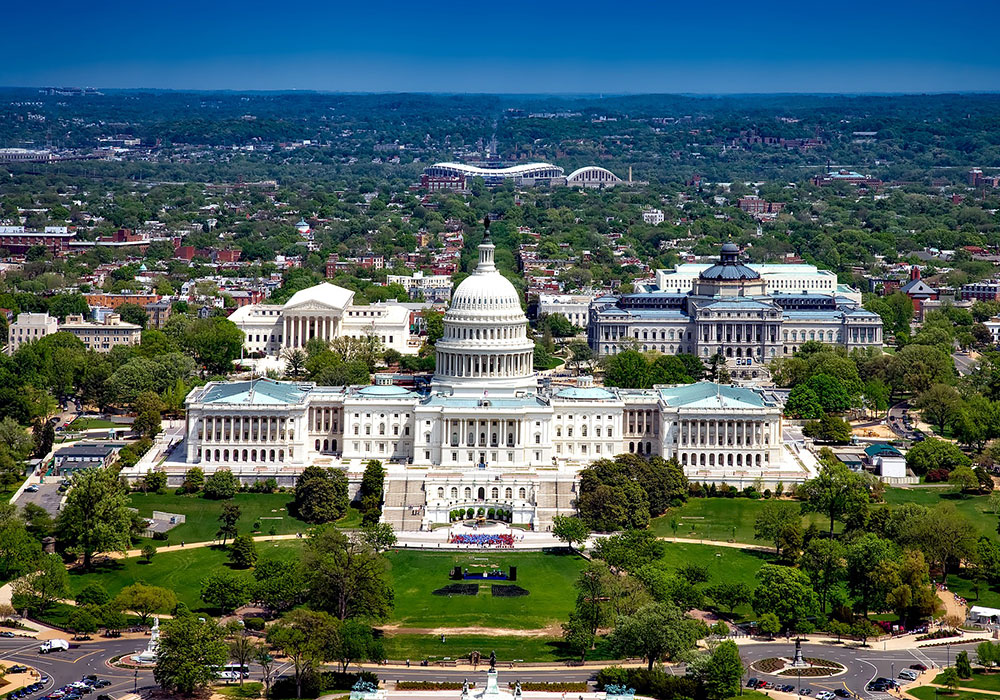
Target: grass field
x,y
269,509
180,571
720,519
979,681
539,649
91,423
975,508
926,692
548,577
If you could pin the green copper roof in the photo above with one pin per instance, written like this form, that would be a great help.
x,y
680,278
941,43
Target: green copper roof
x,y
264,392
710,395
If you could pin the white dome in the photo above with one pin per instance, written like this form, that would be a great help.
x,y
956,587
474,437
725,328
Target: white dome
x,y
488,292
485,346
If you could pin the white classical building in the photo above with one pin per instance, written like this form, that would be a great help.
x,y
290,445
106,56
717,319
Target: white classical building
x,y
575,307
325,311
431,287
485,435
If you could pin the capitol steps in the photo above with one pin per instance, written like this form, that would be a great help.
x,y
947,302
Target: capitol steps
x,y
404,503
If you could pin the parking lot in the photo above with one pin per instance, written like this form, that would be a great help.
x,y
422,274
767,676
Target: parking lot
x,y
47,496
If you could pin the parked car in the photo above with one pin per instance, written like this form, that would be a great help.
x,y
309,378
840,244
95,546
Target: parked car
x,y
842,693
752,683
33,488
918,667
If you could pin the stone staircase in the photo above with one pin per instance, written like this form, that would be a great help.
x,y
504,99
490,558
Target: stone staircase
x,y
404,502
553,496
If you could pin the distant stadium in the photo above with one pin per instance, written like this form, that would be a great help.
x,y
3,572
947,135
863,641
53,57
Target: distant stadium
x,y
456,176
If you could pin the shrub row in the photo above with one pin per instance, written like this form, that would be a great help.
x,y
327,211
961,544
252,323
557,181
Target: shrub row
x,y
488,513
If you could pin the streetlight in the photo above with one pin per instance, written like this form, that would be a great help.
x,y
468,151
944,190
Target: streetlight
x,y
799,671
135,682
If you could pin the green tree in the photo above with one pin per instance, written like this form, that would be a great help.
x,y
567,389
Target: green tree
x,y
370,493
434,323
93,594
787,593
243,552
39,590
133,313
836,491
824,561
724,672
577,635
148,552
81,622
242,651
194,479
962,665
773,519
345,577
939,404
627,369
189,652
934,454
228,519
321,495
729,595
304,637
655,632
570,530
225,591
221,484
215,343
871,567
950,679
145,600
803,403
19,550
964,479
378,536
769,624
96,516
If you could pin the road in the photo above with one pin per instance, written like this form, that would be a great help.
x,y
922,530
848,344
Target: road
x,y
862,665
895,420
47,496
964,363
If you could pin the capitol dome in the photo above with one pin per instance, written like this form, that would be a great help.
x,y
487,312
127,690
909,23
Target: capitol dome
x,y
485,348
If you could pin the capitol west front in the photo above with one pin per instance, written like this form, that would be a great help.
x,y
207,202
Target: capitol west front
x,y
485,435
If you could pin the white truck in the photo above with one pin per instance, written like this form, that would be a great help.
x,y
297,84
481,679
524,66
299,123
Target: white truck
x,y
53,645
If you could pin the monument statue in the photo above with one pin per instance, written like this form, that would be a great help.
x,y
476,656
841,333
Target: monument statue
x,y
517,689
493,661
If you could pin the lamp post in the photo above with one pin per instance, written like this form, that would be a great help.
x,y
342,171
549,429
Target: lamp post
x,y
135,682
799,690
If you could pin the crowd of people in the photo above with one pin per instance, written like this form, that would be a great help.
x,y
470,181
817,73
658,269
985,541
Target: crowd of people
x,y
501,540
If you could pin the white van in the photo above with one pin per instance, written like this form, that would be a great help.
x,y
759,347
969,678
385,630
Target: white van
x,y
53,645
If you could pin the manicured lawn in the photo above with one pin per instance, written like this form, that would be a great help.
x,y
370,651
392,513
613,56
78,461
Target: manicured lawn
x,y
423,646
979,680
548,578
926,692
975,508
270,510
720,519
723,563
180,571
92,423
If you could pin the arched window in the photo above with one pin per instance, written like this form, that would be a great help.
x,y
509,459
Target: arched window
x,y
468,492
454,492
481,493
494,493
508,493
440,491
521,493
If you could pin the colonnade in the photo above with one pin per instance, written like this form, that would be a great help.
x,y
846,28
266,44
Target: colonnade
x,y
480,432
299,330
724,433
324,419
242,429
455,364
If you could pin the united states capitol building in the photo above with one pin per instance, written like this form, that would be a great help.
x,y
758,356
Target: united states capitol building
x,y
487,433
749,314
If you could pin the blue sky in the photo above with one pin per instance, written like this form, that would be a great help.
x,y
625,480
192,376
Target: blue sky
x,y
506,46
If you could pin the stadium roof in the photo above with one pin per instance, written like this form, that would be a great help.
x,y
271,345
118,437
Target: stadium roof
x,y
510,171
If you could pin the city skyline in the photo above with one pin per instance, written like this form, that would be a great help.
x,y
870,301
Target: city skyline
x,y
779,47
